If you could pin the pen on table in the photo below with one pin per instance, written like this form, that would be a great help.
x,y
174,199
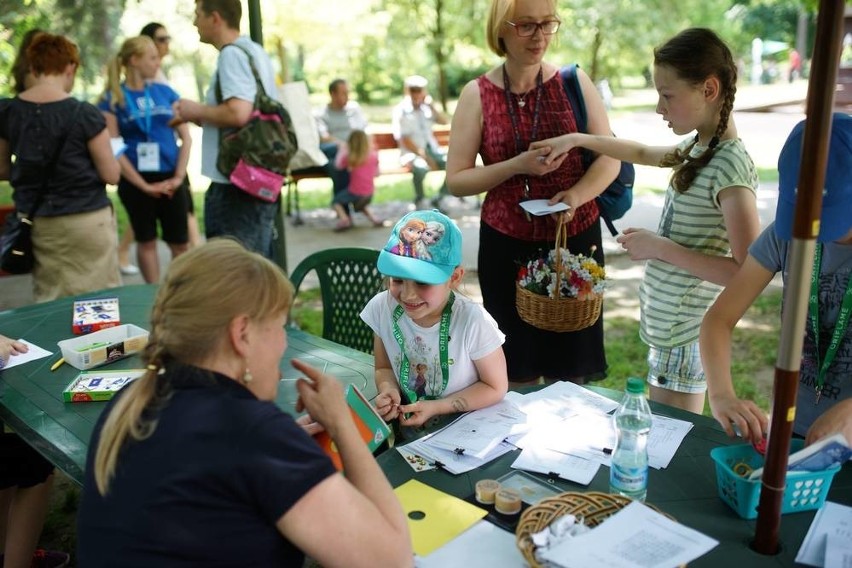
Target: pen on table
x,y
57,364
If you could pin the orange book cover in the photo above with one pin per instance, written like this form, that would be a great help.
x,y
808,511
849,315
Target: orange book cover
x,y
370,425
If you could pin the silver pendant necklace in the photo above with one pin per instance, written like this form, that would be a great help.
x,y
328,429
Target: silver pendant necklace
x,y
522,100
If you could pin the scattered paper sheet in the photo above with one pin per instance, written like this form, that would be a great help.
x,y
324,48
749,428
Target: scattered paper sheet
x,y
35,352
540,207
832,522
572,468
591,435
118,146
483,544
449,460
838,552
635,537
477,433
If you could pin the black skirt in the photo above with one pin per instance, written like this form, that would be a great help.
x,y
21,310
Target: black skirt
x,y
531,352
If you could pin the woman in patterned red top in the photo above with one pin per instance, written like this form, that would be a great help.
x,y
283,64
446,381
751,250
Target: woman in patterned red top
x,y
499,114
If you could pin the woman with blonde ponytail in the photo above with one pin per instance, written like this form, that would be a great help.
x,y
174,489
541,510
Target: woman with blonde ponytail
x,y
194,464
710,215
153,169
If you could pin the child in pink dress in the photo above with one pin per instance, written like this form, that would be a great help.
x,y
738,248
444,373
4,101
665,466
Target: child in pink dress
x,y
362,161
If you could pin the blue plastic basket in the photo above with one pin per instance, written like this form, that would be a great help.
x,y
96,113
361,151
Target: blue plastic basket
x,y
805,490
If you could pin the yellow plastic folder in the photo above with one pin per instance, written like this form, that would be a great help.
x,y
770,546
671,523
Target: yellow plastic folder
x,y
434,517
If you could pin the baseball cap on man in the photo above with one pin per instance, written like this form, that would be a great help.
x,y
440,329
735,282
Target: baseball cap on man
x,y
836,217
425,246
416,82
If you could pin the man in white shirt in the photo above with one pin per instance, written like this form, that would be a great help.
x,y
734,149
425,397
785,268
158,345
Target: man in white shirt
x,y
413,119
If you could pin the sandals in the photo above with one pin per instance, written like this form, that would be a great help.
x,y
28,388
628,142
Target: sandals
x,y
343,225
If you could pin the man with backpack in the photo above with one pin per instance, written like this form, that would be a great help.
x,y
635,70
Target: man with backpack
x,y
229,210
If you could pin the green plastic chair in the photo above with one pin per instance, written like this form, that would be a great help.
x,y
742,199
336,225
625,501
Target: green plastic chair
x,y
348,279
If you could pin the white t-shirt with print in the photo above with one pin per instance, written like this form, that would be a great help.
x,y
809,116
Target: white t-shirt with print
x,y
473,335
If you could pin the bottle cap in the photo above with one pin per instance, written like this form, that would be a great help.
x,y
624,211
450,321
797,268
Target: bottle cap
x,y
635,385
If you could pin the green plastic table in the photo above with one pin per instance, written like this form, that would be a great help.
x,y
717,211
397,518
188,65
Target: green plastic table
x,y
686,490
31,395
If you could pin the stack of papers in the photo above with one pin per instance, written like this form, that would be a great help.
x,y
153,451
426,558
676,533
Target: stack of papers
x,y
472,440
563,430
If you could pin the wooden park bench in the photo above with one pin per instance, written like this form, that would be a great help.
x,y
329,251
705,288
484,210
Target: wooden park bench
x,y
388,165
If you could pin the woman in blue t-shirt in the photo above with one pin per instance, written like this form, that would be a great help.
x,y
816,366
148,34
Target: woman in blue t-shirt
x,y
153,167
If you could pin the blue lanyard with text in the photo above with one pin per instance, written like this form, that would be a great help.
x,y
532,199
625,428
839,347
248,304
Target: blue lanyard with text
x,y
146,129
839,327
443,350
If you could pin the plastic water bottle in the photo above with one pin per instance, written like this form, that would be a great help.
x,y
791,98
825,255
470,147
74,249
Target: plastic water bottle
x,y
628,474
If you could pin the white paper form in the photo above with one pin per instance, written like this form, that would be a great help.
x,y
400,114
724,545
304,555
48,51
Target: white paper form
x,y
832,521
572,468
592,436
555,403
34,352
449,460
477,433
540,207
635,537
838,552
483,545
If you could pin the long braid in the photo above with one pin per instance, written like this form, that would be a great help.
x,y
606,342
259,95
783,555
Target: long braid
x,y
696,54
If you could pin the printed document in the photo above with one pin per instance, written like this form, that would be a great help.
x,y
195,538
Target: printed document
x,y
832,526
635,537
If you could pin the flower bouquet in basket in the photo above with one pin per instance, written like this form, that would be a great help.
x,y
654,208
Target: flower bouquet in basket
x,y
560,291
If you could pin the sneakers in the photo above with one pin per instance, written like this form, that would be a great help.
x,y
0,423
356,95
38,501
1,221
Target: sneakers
x,y
129,270
50,559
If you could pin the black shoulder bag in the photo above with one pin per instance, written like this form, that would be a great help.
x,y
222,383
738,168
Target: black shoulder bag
x,y
16,242
617,198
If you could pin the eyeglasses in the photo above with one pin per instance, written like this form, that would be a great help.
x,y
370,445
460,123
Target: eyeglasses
x,y
163,39
528,29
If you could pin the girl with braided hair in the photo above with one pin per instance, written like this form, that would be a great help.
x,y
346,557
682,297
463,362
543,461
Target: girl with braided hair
x,y
194,464
710,213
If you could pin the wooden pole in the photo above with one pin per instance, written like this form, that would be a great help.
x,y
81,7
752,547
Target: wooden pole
x,y
815,143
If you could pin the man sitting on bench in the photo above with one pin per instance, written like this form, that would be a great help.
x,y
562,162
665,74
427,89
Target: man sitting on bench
x,y
413,119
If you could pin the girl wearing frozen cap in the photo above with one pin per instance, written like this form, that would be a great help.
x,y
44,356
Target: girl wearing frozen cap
x,y
420,322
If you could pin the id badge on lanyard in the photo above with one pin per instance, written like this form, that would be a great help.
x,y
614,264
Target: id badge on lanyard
x,y
148,157
147,153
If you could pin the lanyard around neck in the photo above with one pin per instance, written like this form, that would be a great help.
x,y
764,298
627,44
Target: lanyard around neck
x,y
146,128
839,327
516,128
443,351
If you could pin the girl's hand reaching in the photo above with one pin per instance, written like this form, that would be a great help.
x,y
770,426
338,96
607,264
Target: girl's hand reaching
x,y
557,147
387,404
641,244
533,162
419,412
743,415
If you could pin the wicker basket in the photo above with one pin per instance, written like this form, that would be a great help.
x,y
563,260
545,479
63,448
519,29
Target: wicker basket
x,y
594,507
557,314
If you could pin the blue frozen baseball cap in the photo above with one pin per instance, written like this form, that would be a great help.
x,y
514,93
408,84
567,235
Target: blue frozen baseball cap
x,y
424,246
836,217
